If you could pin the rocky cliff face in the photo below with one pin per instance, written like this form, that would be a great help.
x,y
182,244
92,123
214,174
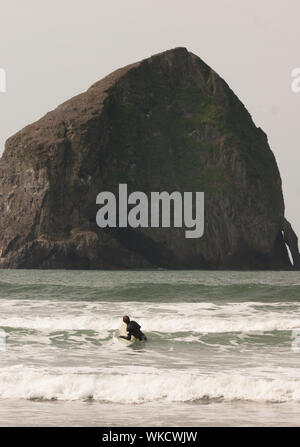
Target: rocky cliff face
x,y
167,123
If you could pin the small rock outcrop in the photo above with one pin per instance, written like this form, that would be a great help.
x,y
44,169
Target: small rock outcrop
x,y
291,240
167,123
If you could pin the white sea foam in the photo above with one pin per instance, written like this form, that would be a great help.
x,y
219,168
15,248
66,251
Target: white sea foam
x,y
162,323
166,386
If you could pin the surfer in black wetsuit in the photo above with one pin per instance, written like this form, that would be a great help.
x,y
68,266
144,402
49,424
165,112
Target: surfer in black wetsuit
x,y
133,328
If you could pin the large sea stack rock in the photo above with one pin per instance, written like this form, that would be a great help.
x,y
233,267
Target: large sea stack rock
x,y
167,123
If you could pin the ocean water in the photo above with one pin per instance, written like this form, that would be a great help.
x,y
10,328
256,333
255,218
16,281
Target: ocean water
x,y
221,348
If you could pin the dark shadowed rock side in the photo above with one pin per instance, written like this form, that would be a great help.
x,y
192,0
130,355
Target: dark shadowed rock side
x,y
167,123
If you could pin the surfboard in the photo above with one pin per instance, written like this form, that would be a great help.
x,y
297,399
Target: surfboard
x,y
123,331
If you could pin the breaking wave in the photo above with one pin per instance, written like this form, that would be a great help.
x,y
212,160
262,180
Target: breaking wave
x,y
140,388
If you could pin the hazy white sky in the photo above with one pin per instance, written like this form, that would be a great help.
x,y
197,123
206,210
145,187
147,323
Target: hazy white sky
x,y
54,49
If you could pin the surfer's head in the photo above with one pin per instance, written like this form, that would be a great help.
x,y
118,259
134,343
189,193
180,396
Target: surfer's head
x,y
126,319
